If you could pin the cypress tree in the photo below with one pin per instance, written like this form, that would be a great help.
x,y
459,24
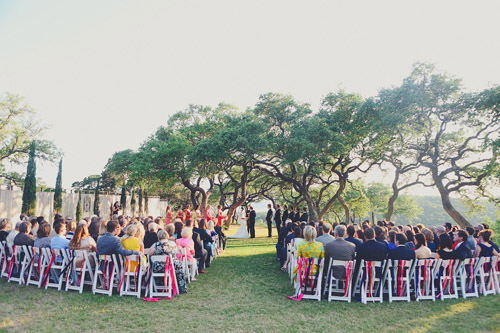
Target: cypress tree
x,y
146,203
132,203
29,192
96,200
79,207
58,191
123,198
140,202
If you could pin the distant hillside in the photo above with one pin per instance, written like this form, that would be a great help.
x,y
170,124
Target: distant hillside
x,y
434,213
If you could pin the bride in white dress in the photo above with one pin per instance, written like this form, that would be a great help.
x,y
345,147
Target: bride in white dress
x,y
242,220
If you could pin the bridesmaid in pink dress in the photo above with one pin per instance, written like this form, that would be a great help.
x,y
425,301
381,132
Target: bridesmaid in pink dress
x,y
198,213
220,215
188,212
168,219
180,213
208,214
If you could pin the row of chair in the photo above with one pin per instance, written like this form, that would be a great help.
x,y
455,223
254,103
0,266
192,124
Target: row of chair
x,y
73,269
395,280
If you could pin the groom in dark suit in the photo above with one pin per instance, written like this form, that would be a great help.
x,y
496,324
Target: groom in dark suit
x,y
277,218
269,220
251,222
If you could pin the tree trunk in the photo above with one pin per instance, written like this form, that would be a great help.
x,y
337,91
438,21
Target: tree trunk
x,y
347,211
390,206
373,217
445,200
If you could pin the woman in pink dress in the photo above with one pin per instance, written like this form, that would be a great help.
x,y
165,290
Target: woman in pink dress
x,y
198,213
220,215
208,214
180,213
188,212
168,219
187,243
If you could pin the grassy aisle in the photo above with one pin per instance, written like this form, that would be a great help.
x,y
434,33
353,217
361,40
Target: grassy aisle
x,y
243,291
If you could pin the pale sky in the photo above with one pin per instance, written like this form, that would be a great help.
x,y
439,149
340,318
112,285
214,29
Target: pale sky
x,y
105,74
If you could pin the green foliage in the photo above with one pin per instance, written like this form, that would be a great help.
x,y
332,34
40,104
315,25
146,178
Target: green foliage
x,y
79,212
58,191
96,199
29,192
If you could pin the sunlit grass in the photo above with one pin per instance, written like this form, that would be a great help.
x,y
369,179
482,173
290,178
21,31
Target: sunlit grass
x,y
243,291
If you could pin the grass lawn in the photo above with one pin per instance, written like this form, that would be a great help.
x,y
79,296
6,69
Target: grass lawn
x,y
243,291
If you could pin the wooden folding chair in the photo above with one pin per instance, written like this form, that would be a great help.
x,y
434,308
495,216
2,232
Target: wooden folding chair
x,y
309,278
374,273
487,276
424,279
447,279
162,284
468,274
399,275
132,269
104,274
80,270
340,289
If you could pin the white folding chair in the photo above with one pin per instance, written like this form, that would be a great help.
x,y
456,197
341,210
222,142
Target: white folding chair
x,y
37,267
468,274
185,266
399,275
424,279
447,279
105,273
7,256
309,278
495,271
374,273
57,265
132,269
162,284
2,257
80,267
486,276
340,289
19,264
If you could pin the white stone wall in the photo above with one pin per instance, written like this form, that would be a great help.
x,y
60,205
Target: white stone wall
x,y
11,202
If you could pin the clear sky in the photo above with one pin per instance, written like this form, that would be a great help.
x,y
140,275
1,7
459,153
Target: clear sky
x,y
105,74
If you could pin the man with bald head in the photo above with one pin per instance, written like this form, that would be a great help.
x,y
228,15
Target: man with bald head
x,y
339,249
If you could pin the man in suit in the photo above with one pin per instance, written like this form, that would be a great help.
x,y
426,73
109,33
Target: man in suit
x,y
251,222
305,216
462,249
285,215
326,238
205,238
339,249
277,218
401,252
269,220
371,250
351,231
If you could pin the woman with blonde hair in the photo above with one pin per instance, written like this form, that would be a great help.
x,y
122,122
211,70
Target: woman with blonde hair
x,y
187,243
131,241
102,228
309,248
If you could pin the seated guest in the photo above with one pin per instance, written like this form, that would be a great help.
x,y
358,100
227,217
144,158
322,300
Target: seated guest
x,y
471,240
401,252
421,249
34,226
297,232
309,248
484,248
81,240
170,229
206,239
380,233
360,234
199,252
12,234
351,232
391,244
71,228
462,249
43,239
23,237
4,229
339,249
371,250
445,250
187,243
178,228
164,247
151,236
131,241
410,236
110,244
59,241
325,238
429,237
281,239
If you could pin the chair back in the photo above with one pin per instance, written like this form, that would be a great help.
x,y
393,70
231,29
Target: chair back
x,y
339,287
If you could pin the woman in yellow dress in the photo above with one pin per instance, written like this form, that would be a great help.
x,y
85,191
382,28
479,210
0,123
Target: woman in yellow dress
x,y
132,241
